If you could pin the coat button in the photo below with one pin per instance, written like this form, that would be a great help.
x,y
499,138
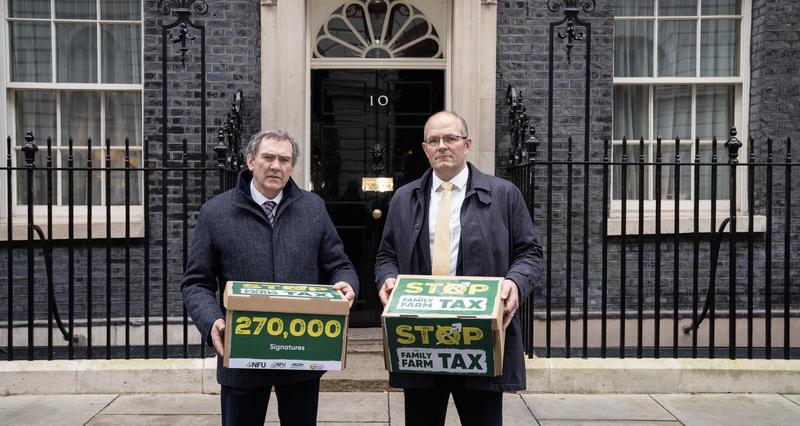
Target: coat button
x,y
416,227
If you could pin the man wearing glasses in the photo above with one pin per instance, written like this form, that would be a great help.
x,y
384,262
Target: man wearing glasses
x,y
455,220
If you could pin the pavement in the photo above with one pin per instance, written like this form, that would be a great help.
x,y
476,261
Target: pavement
x,y
386,408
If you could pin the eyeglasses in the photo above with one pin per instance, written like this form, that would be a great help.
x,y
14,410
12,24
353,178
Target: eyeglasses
x,y
447,139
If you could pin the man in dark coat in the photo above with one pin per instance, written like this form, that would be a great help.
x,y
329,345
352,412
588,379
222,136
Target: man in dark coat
x,y
455,220
264,229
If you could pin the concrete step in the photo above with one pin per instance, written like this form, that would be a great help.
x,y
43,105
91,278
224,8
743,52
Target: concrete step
x,y
365,340
365,369
364,372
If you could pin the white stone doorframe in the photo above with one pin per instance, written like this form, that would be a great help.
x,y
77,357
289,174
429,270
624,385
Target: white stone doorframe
x,y
470,74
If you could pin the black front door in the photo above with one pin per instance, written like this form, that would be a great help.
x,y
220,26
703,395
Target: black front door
x,y
367,125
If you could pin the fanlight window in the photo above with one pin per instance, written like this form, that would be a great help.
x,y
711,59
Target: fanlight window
x,y
377,29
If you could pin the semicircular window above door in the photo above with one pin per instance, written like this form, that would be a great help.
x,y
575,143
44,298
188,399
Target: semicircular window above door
x,y
377,29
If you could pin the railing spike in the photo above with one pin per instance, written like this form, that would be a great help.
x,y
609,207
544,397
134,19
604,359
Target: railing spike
x,y
30,149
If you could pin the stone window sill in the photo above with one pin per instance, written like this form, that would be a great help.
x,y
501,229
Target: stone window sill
x,y
60,228
685,224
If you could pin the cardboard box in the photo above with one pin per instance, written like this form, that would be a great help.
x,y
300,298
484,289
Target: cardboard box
x,y
444,325
285,326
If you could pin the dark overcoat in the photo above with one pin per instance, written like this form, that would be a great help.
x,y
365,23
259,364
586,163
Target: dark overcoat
x,y
497,240
234,241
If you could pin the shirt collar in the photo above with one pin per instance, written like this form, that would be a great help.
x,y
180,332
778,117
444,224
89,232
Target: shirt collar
x,y
459,180
260,199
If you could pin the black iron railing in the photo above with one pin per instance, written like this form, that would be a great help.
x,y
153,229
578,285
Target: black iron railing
x,y
637,271
649,292
101,288
674,288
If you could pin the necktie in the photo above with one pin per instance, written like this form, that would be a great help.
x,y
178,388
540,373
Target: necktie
x,y
440,264
269,209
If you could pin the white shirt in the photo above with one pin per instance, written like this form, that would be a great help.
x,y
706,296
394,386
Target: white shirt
x,y
260,199
459,182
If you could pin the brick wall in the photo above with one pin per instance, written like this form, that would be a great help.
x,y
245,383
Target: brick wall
x,y
775,91
523,62
232,56
232,63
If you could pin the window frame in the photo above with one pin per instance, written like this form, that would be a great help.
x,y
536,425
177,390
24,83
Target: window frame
x,y
60,212
741,85
439,17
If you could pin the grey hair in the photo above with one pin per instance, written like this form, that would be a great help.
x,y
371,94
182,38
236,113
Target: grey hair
x,y
278,135
452,114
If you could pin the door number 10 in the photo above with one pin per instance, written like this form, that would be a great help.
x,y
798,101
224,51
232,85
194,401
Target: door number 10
x,y
383,100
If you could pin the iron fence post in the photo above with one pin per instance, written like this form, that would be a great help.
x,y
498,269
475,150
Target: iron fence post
x,y
9,252
733,144
222,157
787,247
30,149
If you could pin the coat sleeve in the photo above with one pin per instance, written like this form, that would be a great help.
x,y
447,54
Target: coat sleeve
x,y
332,260
386,259
526,252
199,284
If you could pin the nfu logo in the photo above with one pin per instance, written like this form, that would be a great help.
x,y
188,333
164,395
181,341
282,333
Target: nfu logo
x,y
278,365
256,364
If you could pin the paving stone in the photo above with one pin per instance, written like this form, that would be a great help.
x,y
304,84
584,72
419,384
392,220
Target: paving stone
x,y
795,398
605,423
49,410
360,407
337,424
515,412
346,407
272,410
736,409
451,418
168,404
396,407
595,407
154,420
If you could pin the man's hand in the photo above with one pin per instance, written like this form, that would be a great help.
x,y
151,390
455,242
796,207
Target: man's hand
x,y
510,295
218,336
345,288
386,290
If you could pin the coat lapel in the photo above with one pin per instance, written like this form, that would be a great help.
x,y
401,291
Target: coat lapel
x,y
420,244
479,191
243,200
478,185
291,193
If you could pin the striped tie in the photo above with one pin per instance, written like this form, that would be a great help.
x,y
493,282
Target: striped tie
x,y
269,209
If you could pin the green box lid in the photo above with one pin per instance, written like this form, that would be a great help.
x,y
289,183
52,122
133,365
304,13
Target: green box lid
x,y
428,295
284,297
247,288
